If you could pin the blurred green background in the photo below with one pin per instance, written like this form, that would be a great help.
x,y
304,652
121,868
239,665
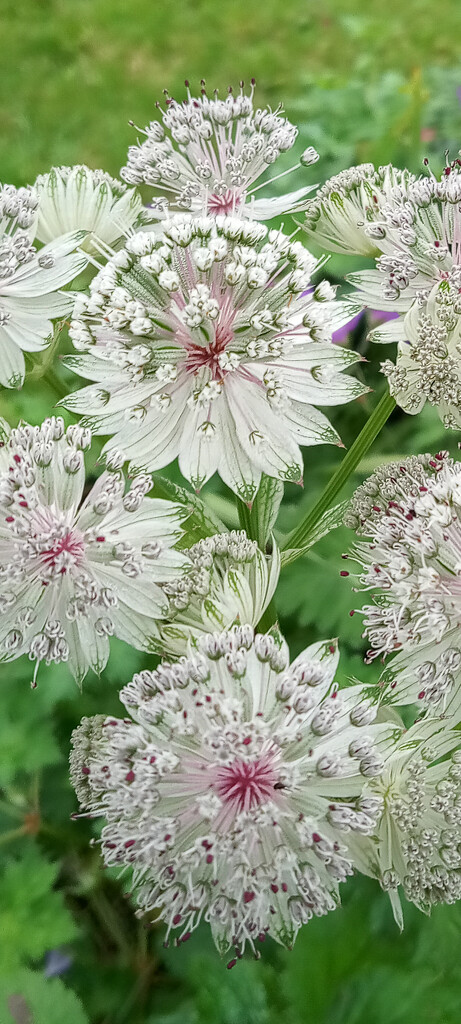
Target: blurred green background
x,y
364,81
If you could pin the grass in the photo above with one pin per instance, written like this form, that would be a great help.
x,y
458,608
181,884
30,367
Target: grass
x,y
75,71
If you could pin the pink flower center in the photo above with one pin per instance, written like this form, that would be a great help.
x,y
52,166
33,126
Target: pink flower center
x,y
68,550
225,204
244,785
199,356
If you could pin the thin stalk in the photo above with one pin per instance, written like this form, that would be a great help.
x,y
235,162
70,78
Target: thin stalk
x,y
248,522
299,537
245,520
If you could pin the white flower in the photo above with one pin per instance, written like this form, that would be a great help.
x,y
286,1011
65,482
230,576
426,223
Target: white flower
x,y
410,515
418,840
219,366
420,246
233,790
205,155
18,210
29,282
71,573
428,365
231,581
344,213
78,198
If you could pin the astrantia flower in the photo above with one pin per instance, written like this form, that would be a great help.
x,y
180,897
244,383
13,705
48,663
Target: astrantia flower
x,y
29,282
73,574
203,346
232,791
420,241
410,516
418,840
428,365
342,217
231,581
78,198
205,155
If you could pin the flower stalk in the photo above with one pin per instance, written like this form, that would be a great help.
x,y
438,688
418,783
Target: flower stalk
x,y
299,537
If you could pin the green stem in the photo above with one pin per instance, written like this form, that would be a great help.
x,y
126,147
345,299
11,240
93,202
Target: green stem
x,y
299,537
52,379
248,520
245,520
268,618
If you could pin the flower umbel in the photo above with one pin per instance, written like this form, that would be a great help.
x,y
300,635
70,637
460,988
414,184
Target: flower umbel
x,y
428,365
73,574
409,515
343,215
232,790
231,581
420,244
30,281
203,346
206,154
78,198
418,840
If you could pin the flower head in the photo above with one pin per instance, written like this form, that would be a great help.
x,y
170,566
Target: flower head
x,y
205,345
343,215
205,155
78,198
73,574
30,281
420,248
231,581
232,789
409,516
417,843
428,365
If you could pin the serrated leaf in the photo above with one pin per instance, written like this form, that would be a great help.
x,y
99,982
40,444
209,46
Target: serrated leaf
x,y
27,997
201,521
33,916
331,520
27,741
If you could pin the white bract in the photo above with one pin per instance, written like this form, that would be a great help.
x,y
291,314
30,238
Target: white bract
x,y
30,281
206,154
343,215
417,845
78,198
409,516
233,788
74,573
204,344
231,581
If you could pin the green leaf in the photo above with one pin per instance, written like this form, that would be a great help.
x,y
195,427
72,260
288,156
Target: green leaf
x,y
330,520
27,997
27,741
201,521
33,916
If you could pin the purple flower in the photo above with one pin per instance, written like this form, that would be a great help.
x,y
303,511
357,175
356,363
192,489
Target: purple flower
x,y
57,962
376,316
